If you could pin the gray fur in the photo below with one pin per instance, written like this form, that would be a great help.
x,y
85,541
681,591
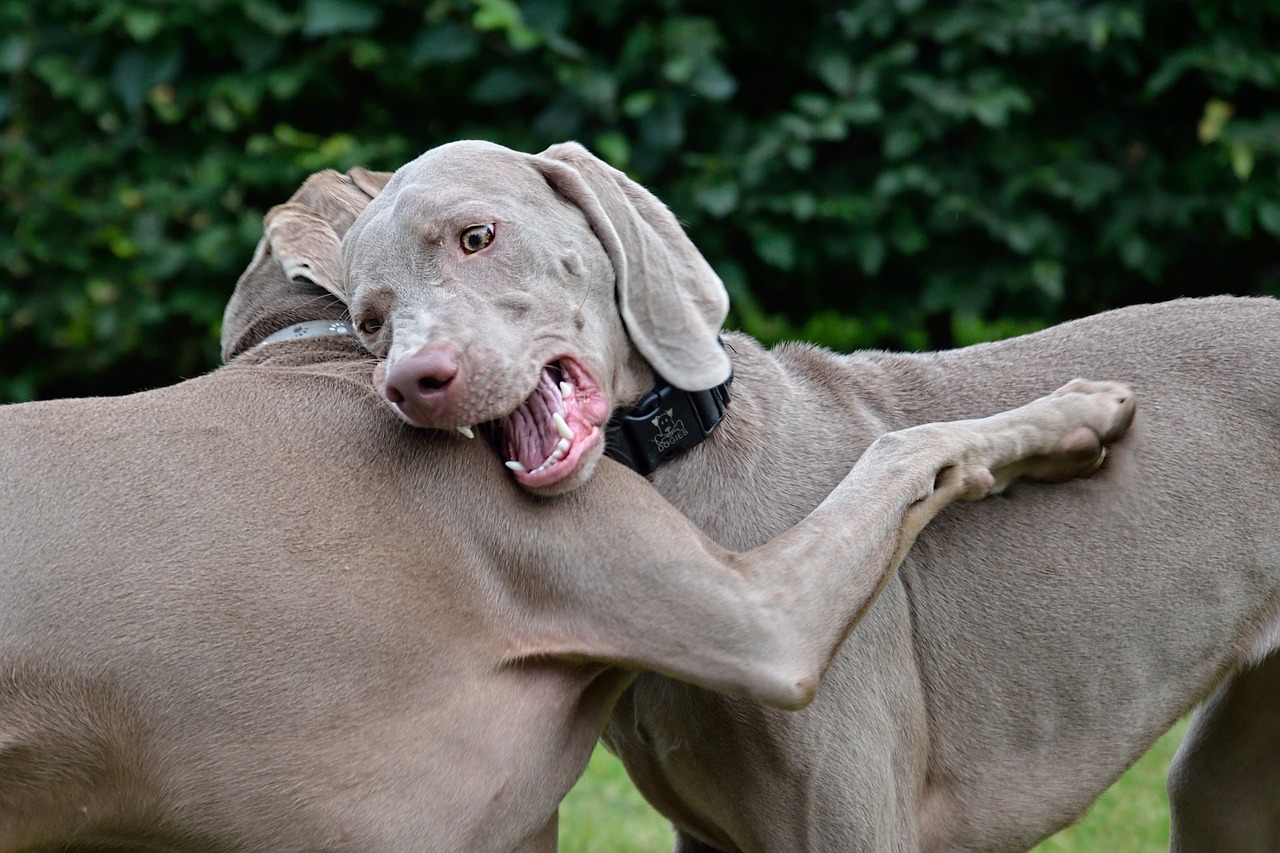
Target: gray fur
x,y
1027,652
256,612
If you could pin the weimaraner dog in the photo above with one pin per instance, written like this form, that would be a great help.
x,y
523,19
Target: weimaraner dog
x,y
257,612
1026,653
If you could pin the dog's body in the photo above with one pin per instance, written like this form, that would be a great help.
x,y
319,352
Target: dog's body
x,y
1034,649
1028,651
254,611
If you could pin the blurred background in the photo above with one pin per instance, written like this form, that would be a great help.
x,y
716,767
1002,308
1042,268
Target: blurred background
x,y
886,173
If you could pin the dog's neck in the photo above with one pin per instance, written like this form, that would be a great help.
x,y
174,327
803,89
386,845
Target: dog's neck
x,y
792,432
308,329
664,424
269,304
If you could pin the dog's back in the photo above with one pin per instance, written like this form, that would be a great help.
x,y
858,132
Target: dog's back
x,y
190,592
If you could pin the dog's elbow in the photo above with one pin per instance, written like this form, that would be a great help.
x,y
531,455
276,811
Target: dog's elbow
x,y
799,693
780,667
789,687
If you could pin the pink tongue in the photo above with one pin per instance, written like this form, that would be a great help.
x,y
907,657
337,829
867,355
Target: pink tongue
x,y
530,434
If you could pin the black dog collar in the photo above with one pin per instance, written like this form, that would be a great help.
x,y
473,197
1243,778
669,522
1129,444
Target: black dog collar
x,y
665,423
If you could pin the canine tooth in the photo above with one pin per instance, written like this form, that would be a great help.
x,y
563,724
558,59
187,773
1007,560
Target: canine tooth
x,y
562,446
566,389
516,466
466,430
561,427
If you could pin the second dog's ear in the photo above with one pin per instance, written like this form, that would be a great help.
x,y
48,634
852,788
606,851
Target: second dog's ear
x,y
305,245
297,245
370,183
302,241
671,301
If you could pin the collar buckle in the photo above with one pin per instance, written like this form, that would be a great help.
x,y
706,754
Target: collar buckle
x,y
665,423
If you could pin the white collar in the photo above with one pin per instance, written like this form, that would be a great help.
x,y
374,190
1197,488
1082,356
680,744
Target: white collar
x,y
309,329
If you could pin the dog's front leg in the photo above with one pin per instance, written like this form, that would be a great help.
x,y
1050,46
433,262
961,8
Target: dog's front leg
x,y
651,592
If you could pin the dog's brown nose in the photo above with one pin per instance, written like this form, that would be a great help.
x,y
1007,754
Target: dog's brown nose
x,y
418,384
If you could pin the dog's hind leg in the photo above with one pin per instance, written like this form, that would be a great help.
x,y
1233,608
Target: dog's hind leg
x,y
1224,788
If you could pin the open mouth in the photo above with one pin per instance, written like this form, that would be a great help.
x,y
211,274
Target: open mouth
x,y
545,438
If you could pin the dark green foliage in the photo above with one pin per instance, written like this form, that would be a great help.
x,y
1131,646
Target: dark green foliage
x,y
894,173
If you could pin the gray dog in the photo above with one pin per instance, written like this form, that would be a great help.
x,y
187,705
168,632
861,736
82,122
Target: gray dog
x,y
256,612
1026,653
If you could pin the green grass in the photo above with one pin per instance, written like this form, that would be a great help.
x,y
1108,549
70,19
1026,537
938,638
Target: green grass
x,y
604,814
1133,815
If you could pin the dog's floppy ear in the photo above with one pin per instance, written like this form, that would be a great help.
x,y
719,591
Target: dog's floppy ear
x,y
298,247
370,183
672,302
305,245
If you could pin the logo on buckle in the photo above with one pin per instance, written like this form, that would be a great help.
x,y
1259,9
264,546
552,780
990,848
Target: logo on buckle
x,y
670,430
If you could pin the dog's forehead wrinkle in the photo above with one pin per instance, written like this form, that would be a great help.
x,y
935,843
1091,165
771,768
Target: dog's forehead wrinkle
x,y
474,189
442,215
370,281
373,299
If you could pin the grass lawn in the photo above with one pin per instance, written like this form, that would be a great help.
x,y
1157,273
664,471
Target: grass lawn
x,y
604,814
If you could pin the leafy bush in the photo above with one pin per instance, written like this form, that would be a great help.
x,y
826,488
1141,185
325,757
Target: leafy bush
x,y
893,173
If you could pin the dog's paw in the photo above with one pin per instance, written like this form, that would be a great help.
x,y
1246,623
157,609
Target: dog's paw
x,y
1108,407
1093,415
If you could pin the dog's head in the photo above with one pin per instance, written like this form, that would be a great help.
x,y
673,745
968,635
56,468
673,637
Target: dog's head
x,y
531,293
296,271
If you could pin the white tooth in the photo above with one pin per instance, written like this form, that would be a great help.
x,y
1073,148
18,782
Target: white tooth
x,y
561,426
467,432
516,466
562,449
566,389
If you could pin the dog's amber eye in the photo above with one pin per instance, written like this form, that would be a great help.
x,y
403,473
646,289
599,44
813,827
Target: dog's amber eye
x,y
370,325
476,237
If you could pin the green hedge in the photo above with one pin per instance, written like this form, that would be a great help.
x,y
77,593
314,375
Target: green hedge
x,y
893,173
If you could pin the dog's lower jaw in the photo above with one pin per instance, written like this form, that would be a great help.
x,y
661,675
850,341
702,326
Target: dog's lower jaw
x,y
567,474
570,456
